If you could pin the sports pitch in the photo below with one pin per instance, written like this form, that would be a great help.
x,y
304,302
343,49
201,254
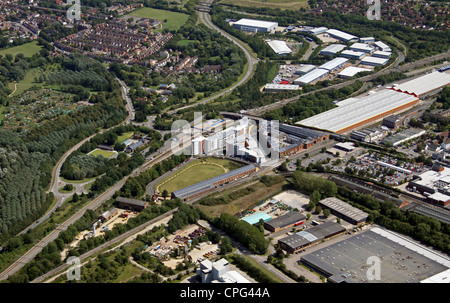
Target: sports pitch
x,y
194,172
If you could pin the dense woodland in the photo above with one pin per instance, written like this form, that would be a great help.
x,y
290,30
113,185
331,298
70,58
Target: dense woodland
x,y
26,170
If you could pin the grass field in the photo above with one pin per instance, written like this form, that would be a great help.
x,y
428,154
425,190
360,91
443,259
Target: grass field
x,y
174,20
261,193
27,49
195,172
104,153
124,136
281,4
26,83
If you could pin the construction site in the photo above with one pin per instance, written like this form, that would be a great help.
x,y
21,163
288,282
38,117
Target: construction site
x,y
106,221
174,249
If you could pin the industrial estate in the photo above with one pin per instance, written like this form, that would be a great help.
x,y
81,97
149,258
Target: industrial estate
x,y
215,142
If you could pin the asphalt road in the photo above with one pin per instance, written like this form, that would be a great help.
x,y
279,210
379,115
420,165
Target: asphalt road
x,y
206,20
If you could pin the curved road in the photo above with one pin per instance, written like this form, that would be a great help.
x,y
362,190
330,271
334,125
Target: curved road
x,y
206,20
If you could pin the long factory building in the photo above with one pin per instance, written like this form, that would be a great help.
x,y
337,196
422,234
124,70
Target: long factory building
x,y
356,112
200,188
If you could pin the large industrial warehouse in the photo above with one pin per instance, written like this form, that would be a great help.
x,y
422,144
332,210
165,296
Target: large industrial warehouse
x,y
344,210
288,220
401,260
356,112
426,85
251,25
298,241
279,47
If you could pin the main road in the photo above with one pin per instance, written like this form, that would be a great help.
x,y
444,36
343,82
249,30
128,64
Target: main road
x,y
205,18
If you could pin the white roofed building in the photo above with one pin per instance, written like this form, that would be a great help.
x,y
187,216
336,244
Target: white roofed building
x,y
343,36
251,25
335,64
332,49
425,85
374,61
312,76
356,112
352,54
362,47
279,47
382,46
351,71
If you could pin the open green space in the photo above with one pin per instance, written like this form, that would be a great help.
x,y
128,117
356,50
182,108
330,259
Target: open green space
x,y
260,193
77,181
27,49
103,153
174,20
281,4
194,172
26,83
124,136
184,42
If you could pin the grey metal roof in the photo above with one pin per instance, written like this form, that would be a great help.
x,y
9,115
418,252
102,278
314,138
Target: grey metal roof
x,y
345,209
207,184
131,201
287,219
347,259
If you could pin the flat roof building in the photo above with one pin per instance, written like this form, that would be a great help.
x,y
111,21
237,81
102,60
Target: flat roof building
x,y
351,71
401,260
425,85
367,40
317,30
312,76
431,183
302,239
272,87
288,220
255,218
355,112
362,47
279,47
340,35
380,54
332,49
352,54
251,25
344,210
304,69
403,136
374,61
335,64
382,46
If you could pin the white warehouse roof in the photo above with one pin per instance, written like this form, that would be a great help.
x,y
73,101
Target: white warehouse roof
x,y
352,70
422,85
333,48
270,86
354,112
311,76
279,47
341,35
256,23
362,47
383,46
351,53
374,61
333,63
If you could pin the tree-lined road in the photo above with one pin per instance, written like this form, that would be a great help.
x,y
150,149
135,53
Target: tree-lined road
x,y
205,18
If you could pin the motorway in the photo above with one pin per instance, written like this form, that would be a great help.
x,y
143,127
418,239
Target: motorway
x,y
206,20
